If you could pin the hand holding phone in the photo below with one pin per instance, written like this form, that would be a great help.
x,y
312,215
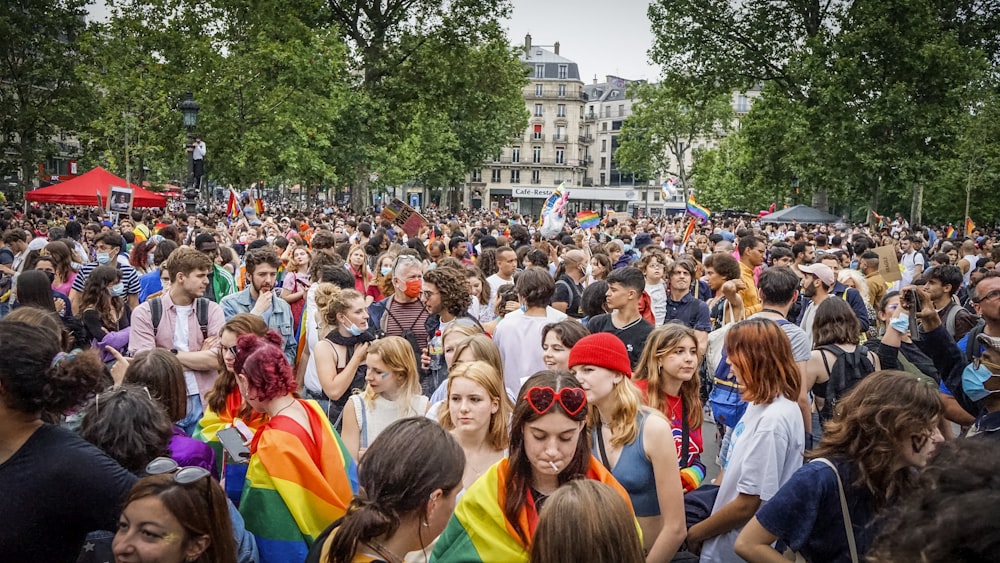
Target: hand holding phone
x,y
234,444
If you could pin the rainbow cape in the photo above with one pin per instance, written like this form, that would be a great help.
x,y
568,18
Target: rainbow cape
x,y
296,487
697,211
588,219
211,422
478,532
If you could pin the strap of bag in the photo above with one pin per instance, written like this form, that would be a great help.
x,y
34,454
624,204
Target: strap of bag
x,y
201,313
848,526
600,446
155,313
685,436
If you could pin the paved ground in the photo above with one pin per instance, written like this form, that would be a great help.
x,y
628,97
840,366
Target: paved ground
x,y
711,444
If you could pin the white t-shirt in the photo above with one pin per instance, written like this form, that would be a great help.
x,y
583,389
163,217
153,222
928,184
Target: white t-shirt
x,y
910,262
807,319
658,301
181,344
311,378
766,449
519,339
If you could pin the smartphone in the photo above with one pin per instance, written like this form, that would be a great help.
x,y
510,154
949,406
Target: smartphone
x,y
233,442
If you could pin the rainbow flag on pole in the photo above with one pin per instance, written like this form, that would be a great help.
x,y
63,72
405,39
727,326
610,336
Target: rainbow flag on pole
x,y
296,485
697,211
950,232
880,219
969,226
588,219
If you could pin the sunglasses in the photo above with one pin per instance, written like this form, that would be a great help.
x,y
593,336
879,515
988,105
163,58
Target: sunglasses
x,y
182,475
541,399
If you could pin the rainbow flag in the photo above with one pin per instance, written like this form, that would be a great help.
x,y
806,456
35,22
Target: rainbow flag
x,y
495,212
689,231
950,232
233,209
588,219
478,530
211,422
699,212
969,226
296,486
880,220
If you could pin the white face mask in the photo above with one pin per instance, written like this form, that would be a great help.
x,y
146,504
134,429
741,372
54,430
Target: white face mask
x,y
589,270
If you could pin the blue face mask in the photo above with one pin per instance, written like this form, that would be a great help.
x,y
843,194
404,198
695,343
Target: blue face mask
x,y
354,330
901,323
385,270
118,290
103,257
628,247
973,379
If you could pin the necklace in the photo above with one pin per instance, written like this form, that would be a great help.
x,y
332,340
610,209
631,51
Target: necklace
x,y
283,408
385,552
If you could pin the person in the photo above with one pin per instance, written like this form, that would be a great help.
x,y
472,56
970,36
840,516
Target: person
x,y
752,252
357,264
496,518
599,268
291,492
586,520
450,339
667,379
632,435
506,263
295,283
506,302
889,408
911,260
722,272
683,307
62,260
625,286
107,247
446,297
400,507
128,424
341,354
198,152
557,341
221,283
817,283
180,328
766,445
48,473
175,517
476,416
392,392
103,311
381,286
853,279
942,284
519,336
160,373
569,284
259,298
594,301
152,283
403,313
877,286
34,288
653,265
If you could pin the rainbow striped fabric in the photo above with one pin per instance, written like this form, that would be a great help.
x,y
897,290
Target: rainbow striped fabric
x,y
588,219
969,226
699,212
211,422
296,486
478,532
950,232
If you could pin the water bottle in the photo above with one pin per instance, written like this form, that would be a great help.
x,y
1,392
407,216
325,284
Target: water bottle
x,y
435,350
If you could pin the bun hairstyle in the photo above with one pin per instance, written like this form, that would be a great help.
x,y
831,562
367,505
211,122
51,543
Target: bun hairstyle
x,y
44,379
390,491
262,362
331,301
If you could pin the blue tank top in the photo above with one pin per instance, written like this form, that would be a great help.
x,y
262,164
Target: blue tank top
x,y
635,472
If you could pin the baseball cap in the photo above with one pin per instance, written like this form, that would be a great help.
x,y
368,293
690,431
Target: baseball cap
x,y
821,271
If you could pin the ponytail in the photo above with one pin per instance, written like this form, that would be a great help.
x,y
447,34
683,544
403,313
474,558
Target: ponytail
x,y
364,521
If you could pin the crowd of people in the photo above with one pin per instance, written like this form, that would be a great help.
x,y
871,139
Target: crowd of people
x,y
324,386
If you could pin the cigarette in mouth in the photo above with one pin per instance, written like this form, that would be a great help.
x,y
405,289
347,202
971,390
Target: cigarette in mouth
x,y
554,466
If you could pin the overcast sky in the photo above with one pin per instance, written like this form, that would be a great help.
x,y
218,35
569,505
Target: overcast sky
x,y
602,37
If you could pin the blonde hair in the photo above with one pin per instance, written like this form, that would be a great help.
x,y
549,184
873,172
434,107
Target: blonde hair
x,y
484,349
486,377
331,300
397,355
624,421
461,329
665,340
860,283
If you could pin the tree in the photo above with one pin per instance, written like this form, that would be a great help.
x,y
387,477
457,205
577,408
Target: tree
x,y
41,95
666,120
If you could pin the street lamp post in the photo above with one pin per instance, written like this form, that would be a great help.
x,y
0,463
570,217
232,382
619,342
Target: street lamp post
x,y
189,110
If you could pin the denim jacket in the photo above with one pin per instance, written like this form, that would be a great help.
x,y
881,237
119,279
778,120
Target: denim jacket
x,y
280,320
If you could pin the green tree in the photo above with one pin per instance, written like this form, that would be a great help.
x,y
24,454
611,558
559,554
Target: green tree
x,y
666,120
41,95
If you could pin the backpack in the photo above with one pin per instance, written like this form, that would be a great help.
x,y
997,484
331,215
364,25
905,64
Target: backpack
x,y
200,308
848,369
972,349
726,398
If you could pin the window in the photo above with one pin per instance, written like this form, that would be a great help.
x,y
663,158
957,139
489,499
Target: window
x,y
495,176
616,125
536,154
515,154
560,133
538,110
515,176
603,178
563,71
536,176
742,104
561,110
604,164
539,71
604,145
621,110
562,90
539,90
560,155
477,175
604,126
537,133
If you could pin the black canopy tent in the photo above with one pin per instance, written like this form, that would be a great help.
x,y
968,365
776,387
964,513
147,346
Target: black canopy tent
x,y
800,214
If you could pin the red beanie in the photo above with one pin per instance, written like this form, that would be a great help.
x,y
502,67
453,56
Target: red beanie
x,y
602,350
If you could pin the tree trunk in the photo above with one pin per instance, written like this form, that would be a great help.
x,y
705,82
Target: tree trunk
x,y
359,194
916,209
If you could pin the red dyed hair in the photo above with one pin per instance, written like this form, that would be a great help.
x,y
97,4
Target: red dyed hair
x,y
262,362
761,353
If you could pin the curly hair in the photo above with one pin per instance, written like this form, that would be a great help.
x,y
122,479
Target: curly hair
x,y
262,362
453,289
128,425
260,256
883,411
95,295
487,261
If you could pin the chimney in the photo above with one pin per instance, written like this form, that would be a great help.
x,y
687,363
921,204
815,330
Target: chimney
x,y
556,47
595,79
527,45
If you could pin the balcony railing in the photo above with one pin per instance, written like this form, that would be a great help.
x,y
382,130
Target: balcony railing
x,y
590,117
586,138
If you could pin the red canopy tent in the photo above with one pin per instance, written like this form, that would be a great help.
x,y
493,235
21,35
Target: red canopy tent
x,y
83,190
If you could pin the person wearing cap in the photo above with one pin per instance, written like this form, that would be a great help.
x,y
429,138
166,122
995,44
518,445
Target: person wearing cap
x,y
568,297
817,282
220,282
627,439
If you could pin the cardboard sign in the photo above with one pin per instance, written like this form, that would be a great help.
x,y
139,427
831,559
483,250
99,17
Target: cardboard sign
x,y
888,265
405,216
120,200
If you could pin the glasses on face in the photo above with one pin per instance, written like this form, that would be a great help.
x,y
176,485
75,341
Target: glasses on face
x,y
541,399
232,349
428,294
989,296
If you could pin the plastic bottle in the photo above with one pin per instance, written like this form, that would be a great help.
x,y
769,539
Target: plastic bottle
x,y
435,350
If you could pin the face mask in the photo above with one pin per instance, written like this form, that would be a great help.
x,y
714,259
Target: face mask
x,y
118,290
413,288
901,323
589,270
432,266
531,231
628,247
385,270
103,257
354,330
973,379
270,239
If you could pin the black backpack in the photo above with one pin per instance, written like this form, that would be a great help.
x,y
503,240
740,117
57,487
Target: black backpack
x,y
848,369
200,309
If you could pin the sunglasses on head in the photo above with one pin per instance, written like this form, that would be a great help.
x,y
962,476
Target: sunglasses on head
x,y
541,399
182,475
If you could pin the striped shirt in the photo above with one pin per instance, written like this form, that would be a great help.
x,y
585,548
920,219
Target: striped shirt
x,y
129,277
